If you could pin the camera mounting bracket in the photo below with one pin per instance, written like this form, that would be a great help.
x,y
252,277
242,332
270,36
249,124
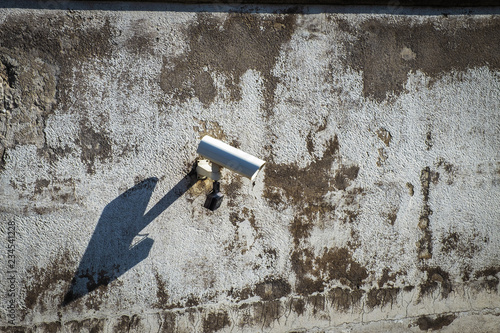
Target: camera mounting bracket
x,y
205,169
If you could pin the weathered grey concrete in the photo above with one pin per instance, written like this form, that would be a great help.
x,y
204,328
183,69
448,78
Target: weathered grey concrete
x,y
378,209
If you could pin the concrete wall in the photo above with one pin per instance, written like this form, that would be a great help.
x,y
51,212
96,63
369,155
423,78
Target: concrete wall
x,y
377,211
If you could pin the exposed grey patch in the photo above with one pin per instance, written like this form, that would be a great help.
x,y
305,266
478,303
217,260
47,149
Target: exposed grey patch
x,y
59,40
94,146
382,157
411,191
40,184
241,42
38,55
27,96
385,50
384,135
143,38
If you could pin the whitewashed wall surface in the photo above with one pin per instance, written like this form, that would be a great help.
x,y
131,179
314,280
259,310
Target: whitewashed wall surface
x,y
378,209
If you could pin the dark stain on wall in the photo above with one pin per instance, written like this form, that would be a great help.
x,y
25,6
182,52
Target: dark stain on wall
x,y
168,322
59,41
90,325
126,324
60,191
233,190
40,184
298,306
47,327
43,280
215,321
436,278
317,302
272,289
94,146
310,143
269,257
382,297
351,200
382,157
344,176
191,301
235,218
411,190
424,245
338,264
314,273
300,230
385,51
392,216
408,288
265,313
44,327
340,299
303,187
3,156
143,39
240,295
344,299
428,140
212,128
161,292
489,277
450,170
238,247
387,277
241,42
58,38
426,323
464,245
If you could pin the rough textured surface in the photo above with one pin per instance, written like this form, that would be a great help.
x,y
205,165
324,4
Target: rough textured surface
x,y
435,3
377,210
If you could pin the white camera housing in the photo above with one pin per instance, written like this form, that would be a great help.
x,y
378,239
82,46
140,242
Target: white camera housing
x,y
224,155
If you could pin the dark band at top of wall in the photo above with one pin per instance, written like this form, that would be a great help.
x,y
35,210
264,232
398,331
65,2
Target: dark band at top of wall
x,y
392,3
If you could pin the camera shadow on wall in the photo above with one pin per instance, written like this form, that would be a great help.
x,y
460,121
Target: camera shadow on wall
x,y
117,245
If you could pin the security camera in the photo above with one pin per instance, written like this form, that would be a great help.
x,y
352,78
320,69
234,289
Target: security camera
x,y
221,155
